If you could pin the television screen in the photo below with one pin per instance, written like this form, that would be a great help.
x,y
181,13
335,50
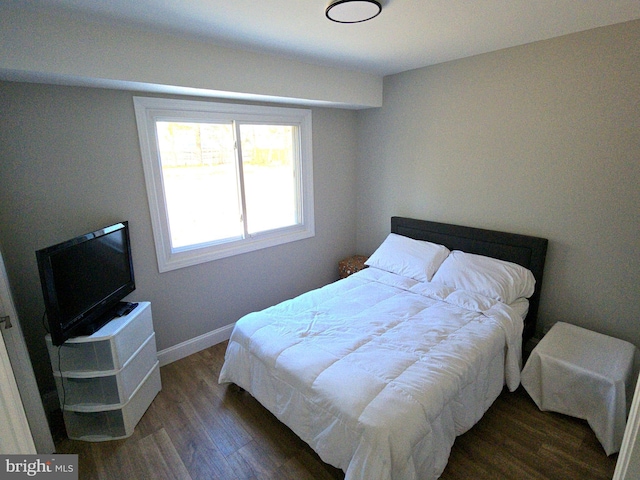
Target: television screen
x,y
84,279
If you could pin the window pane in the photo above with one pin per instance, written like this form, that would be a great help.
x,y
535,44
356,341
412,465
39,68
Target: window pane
x,y
270,182
207,203
200,182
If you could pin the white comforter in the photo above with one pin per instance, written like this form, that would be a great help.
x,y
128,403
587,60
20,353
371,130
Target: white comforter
x,y
377,372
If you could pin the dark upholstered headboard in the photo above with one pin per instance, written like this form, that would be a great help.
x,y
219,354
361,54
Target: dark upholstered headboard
x,y
530,252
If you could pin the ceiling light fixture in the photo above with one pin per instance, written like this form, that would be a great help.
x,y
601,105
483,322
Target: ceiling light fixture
x,y
352,11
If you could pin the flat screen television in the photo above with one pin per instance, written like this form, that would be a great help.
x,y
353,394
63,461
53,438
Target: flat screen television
x,y
84,279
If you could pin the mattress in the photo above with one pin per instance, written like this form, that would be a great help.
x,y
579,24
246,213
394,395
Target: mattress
x,y
379,373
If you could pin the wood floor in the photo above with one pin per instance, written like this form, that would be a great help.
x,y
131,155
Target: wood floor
x,y
197,429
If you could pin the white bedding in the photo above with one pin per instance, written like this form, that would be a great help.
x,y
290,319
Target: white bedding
x,y
378,373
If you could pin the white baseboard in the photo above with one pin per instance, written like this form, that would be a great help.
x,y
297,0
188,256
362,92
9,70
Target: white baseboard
x,y
194,345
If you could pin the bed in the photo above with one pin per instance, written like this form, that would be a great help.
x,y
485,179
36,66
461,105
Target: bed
x,y
380,371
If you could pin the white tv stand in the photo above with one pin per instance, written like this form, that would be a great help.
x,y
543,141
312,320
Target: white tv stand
x,y
107,380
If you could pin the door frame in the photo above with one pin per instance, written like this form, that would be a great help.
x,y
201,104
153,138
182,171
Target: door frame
x,y
15,433
17,369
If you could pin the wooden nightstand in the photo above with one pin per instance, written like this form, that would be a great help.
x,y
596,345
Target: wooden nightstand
x,y
351,265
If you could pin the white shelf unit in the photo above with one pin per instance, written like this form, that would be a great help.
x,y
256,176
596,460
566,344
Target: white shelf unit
x,y
107,380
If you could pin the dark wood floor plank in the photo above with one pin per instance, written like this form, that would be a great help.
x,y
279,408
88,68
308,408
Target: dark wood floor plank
x,y
220,424
196,428
87,465
260,461
117,459
196,449
161,458
307,464
545,445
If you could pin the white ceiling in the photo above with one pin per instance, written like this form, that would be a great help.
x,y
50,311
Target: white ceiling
x,y
407,34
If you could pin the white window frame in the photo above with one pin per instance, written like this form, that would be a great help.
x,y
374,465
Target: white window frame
x,y
149,110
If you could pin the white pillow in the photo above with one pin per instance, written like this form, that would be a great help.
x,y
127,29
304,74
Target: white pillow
x,y
497,279
411,258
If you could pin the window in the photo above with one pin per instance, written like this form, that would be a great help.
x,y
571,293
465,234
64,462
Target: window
x,y
224,179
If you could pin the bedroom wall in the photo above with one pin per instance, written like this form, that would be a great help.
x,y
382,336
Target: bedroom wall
x,y
541,139
70,163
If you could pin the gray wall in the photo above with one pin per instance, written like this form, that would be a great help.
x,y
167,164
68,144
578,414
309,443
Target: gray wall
x,y
70,163
542,139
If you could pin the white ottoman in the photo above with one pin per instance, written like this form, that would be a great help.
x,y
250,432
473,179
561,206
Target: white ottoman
x,y
583,374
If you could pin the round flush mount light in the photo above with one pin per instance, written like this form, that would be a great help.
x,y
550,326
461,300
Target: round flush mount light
x,y
352,11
